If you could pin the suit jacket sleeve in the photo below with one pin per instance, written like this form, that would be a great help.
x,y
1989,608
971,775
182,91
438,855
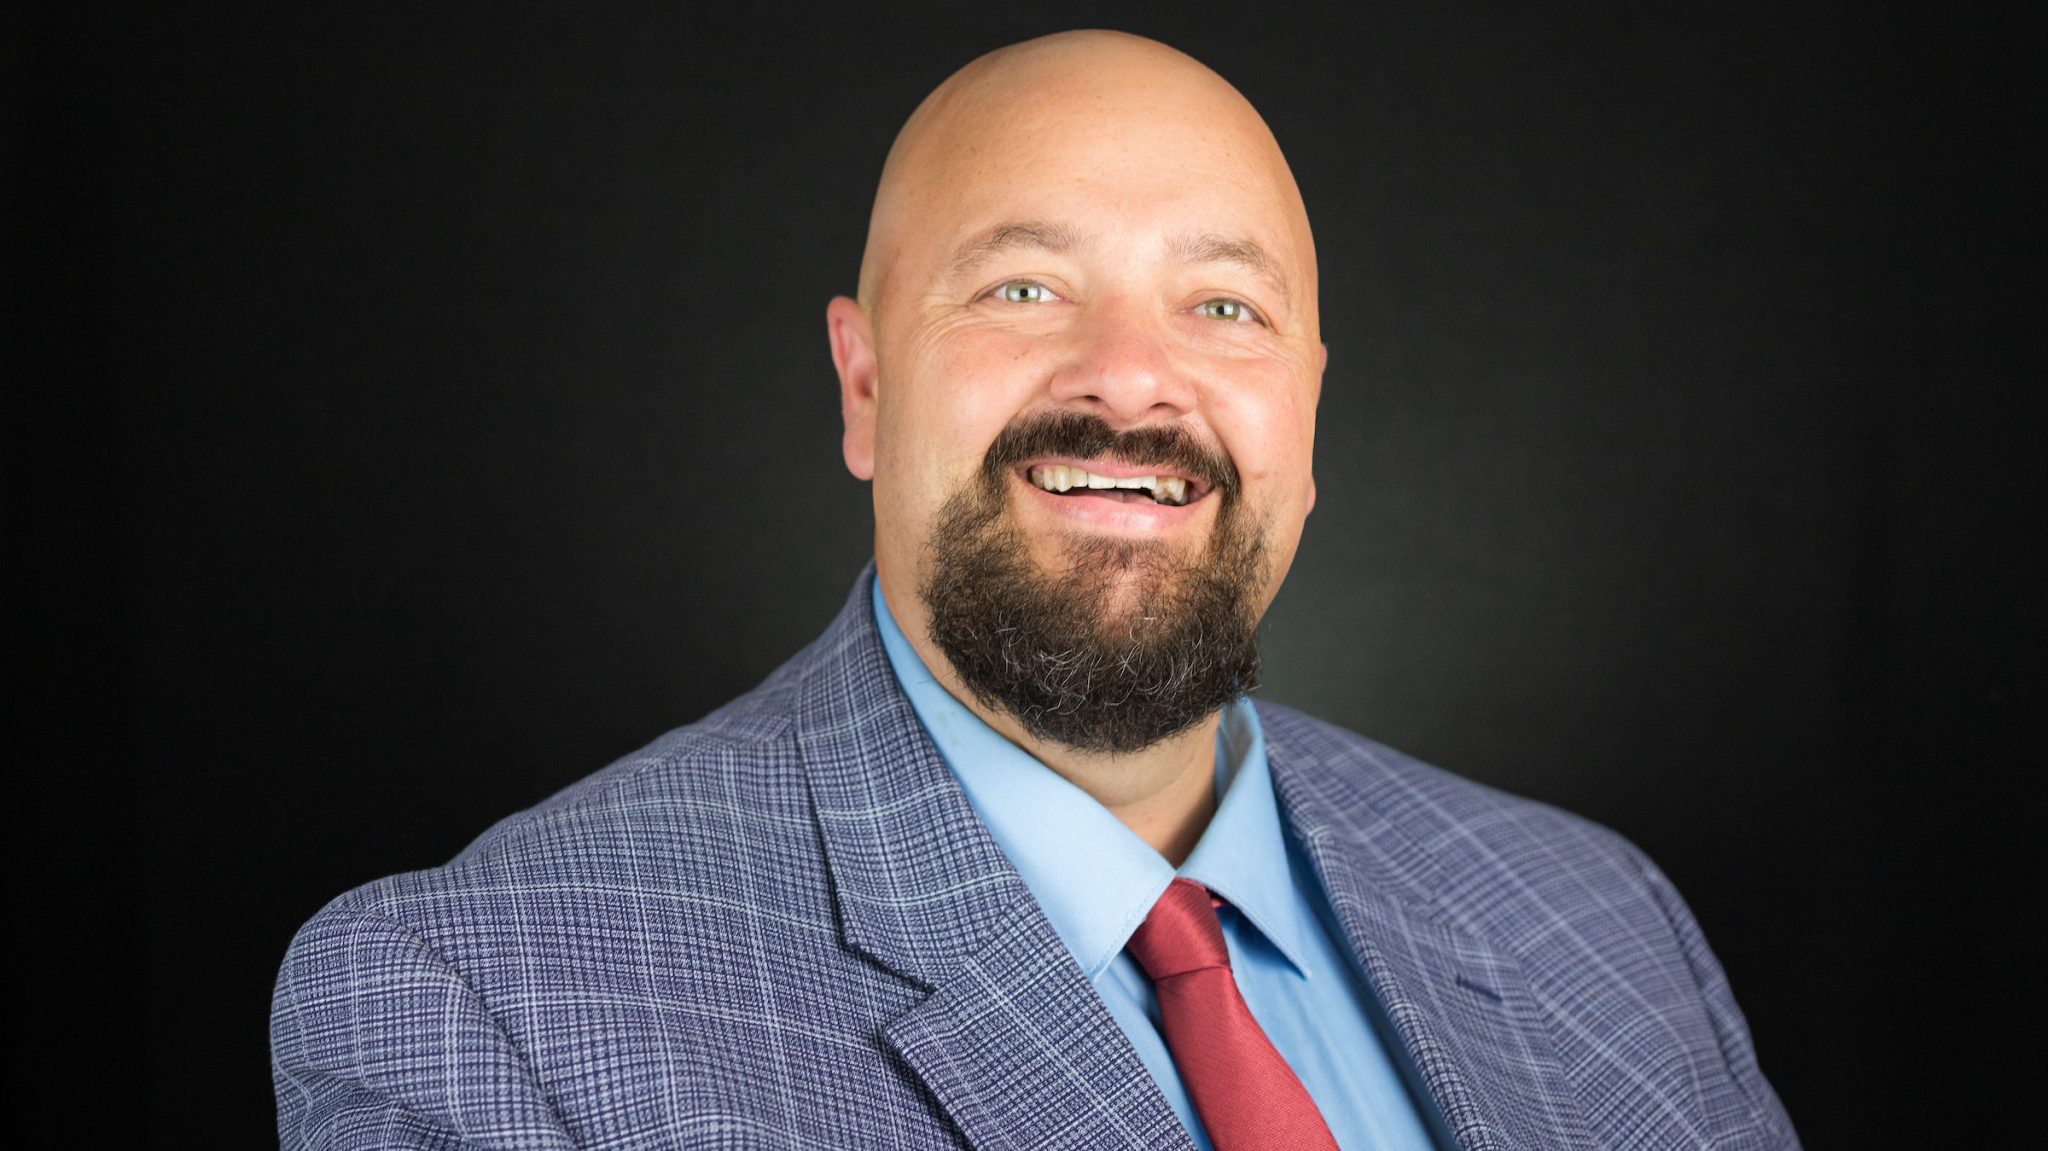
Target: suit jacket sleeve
x,y
376,1041
1730,1029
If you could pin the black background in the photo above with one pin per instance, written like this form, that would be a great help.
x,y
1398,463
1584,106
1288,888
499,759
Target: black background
x,y
409,412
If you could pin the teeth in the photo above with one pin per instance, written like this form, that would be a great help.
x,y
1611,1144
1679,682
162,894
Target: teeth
x,y
1172,490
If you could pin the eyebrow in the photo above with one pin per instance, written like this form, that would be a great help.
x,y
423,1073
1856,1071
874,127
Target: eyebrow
x,y
1034,234
1210,248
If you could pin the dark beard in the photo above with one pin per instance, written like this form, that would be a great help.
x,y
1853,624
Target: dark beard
x,y
1054,650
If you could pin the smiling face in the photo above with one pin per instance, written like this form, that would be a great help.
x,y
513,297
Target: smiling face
x,y
1089,308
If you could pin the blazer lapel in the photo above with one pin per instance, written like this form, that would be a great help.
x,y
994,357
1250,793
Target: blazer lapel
x,y
1012,1041
1022,1054
1462,1006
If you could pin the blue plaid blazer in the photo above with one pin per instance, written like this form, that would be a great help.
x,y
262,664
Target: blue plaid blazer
x,y
783,926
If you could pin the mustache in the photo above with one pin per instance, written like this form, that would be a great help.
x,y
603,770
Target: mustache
x,y
1167,447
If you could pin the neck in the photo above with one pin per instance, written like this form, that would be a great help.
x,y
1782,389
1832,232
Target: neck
x,y
1165,793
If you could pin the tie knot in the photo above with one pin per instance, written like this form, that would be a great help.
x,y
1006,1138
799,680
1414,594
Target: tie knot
x,y
1181,934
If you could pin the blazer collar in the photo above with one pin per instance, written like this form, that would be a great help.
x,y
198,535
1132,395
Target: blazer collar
x,y
920,884
1012,1040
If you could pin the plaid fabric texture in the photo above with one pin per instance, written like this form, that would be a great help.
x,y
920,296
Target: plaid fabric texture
x,y
783,926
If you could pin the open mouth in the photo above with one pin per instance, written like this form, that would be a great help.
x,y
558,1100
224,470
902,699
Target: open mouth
x,y
1067,480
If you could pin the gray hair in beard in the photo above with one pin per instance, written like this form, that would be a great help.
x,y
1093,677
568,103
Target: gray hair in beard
x,y
1051,649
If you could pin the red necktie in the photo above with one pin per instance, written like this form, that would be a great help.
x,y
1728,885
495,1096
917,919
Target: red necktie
x,y
1244,1091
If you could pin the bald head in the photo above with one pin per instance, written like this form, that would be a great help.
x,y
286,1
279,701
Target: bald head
x,y
1063,113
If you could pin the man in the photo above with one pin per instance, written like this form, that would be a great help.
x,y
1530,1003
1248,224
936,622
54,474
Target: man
x,y
1006,858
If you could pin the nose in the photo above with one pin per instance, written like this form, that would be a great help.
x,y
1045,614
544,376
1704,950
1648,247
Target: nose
x,y
1121,367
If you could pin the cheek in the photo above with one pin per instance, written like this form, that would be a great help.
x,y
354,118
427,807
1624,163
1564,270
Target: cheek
x,y
1269,430
972,386
954,392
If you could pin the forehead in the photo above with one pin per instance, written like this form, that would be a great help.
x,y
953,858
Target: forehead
x,y
1156,167
1152,146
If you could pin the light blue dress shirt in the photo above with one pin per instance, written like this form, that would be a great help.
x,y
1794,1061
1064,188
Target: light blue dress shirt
x,y
1096,881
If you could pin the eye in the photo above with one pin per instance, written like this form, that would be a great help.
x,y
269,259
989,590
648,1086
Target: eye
x,y
1228,310
1022,292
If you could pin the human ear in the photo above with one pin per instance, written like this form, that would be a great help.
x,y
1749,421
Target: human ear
x,y
853,355
1322,365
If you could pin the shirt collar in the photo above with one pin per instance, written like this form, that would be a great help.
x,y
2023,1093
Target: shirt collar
x,y
1094,878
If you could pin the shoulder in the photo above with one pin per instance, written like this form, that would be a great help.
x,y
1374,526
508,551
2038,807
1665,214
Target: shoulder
x,y
683,858
1459,823
1540,881
656,941
666,833
1605,943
